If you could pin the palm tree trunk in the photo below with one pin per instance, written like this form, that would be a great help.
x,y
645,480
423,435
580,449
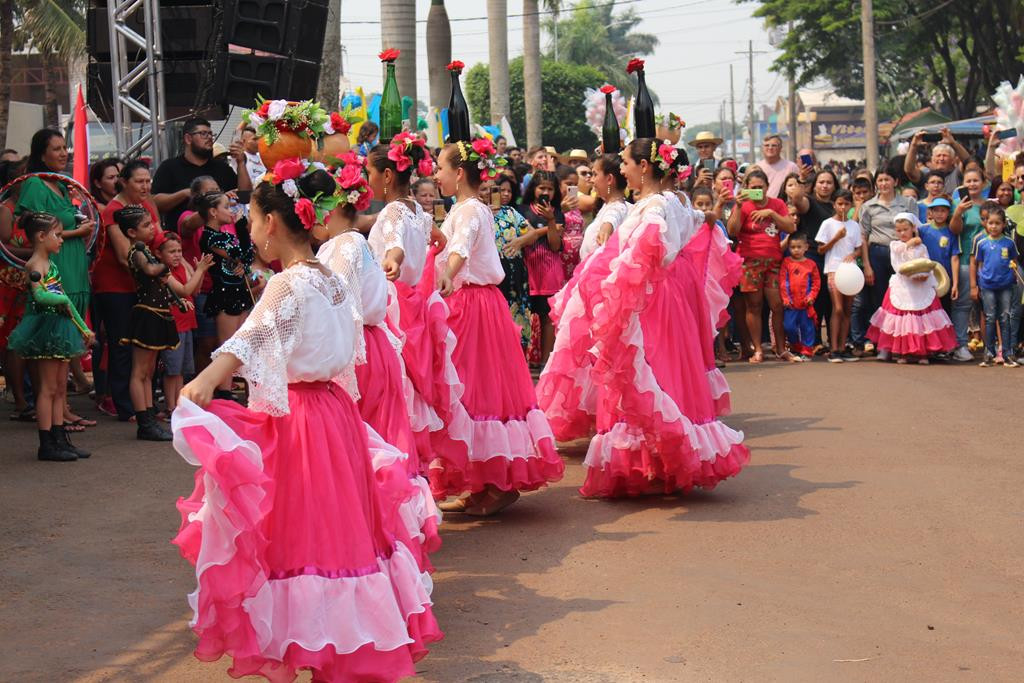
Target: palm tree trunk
x,y
52,105
330,63
398,30
531,73
6,47
439,54
497,37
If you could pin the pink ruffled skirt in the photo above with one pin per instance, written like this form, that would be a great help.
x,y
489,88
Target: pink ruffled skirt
x,y
656,416
382,406
512,446
912,333
300,556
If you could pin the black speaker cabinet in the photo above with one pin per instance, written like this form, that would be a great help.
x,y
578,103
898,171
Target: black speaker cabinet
x,y
189,88
186,31
244,77
292,28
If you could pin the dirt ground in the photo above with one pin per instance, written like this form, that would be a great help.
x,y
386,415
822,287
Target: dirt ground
x,y
876,535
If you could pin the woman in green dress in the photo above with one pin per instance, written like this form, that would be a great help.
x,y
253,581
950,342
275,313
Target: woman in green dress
x,y
48,153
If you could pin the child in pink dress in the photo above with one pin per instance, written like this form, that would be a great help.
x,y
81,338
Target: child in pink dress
x,y
301,560
910,324
512,448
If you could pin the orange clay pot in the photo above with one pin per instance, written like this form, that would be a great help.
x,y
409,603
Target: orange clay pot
x,y
288,146
334,146
672,136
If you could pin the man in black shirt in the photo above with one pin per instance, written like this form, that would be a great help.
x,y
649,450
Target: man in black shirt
x,y
174,176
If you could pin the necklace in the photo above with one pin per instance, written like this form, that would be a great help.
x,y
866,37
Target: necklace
x,y
308,261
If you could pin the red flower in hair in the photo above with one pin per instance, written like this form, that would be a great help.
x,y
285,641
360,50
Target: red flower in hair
x,y
456,66
607,89
264,109
396,152
352,159
288,169
389,55
364,199
484,147
635,64
306,212
339,124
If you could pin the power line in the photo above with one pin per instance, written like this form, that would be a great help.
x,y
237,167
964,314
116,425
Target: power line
x,y
543,12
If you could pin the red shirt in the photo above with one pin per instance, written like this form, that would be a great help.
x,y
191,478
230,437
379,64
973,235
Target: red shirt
x,y
799,282
183,321
761,239
110,276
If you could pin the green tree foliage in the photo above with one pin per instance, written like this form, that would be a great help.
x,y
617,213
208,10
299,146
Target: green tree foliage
x,y
594,34
952,53
563,85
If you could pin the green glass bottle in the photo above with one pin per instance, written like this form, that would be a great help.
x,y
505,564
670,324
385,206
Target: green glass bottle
x,y
610,129
390,107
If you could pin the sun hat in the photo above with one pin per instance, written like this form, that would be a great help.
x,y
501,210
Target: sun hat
x,y
705,136
940,201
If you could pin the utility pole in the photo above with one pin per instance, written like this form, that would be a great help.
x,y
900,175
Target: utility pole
x,y
732,112
792,109
721,120
867,27
753,116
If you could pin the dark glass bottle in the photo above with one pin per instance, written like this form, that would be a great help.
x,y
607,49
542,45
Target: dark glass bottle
x,y
458,113
643,110
610,128
390,107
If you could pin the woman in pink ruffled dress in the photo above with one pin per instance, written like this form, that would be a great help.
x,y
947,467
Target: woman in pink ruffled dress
x,y
399,240
301,560
512,448
565,391
657,430
377,378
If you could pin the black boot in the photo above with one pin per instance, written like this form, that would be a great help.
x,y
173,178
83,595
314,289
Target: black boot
x,y
149,429
61,435
49,450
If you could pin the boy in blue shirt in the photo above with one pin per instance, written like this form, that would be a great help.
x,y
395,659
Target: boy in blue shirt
x,y
992,281
943,246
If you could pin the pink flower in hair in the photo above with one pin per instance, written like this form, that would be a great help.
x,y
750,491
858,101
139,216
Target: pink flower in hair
x,y
350,176
396,152
306,212
667,153
289,169
425,167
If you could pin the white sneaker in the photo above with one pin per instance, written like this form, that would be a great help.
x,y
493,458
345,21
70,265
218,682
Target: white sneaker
x,y
962,355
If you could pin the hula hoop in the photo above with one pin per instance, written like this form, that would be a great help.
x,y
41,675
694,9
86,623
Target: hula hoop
x,y
85,203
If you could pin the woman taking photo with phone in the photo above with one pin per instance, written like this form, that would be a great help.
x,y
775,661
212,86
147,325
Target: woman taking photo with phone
x,y
756,226
542,247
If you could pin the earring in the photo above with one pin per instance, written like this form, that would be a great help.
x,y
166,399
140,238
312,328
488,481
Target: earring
x,y
385,194
266,246
641,184
456,188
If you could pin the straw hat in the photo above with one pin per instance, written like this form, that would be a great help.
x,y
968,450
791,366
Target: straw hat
x,y
578,154
705,136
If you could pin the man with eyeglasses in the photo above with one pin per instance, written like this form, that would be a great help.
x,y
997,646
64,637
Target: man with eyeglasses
x,y
774,166
174,176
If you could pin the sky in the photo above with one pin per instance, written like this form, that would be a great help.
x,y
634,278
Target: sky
x,y
689,70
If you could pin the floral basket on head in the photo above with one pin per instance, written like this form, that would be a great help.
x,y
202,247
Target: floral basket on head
x,y
670,127
286,129
335,140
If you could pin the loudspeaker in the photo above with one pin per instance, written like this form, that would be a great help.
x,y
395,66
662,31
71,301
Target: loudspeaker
x,y
188,89
241,78
186,32
293,28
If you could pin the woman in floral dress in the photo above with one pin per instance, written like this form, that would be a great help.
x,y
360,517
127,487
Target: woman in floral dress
x,y
509,227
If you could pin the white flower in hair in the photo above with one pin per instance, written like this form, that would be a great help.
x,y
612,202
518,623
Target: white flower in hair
x,y
319,165
328,128
481,165
290,188
255,120
353,198
276,109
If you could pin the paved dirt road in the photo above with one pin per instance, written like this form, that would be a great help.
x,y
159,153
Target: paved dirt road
x,y
877,535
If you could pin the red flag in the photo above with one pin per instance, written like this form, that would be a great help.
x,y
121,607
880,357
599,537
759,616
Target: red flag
x,y
81,159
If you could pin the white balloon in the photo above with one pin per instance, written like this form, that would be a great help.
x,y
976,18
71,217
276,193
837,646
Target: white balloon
x,y
849,279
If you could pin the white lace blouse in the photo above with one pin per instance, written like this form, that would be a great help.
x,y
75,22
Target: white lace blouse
x,y
613,213
349,256
407,229
469,229
676,223
301,330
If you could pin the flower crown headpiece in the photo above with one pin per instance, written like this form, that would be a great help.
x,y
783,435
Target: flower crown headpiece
x,y
483,152
306,119
353,188
664,155
398,152
341,121
310,210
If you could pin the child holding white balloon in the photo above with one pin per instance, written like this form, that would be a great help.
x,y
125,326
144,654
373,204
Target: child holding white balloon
x,y
839,240
910,324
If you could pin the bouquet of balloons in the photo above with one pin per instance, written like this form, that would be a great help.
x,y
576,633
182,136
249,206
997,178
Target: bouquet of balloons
x,y
1010,114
